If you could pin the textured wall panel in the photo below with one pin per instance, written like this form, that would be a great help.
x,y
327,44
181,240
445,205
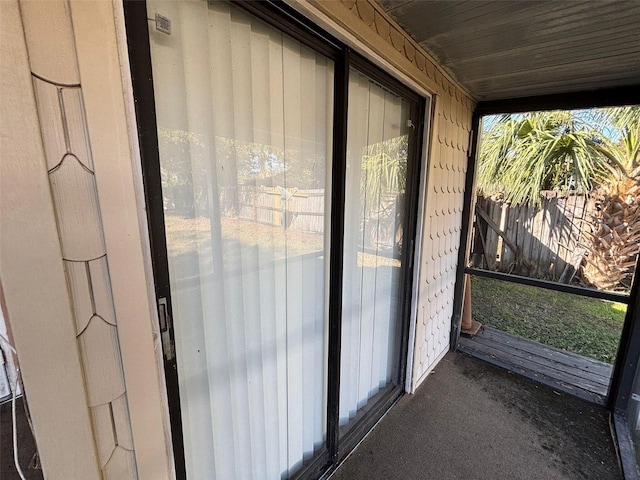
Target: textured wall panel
x,y
100,349
76,138
103,422
78,279
122,464
49,35
73,187
100,285
33,276
120,414
443,219
48,24
48,103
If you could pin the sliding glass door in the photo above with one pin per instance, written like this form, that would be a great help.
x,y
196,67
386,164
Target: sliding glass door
x,y
284,339
244,118
376,178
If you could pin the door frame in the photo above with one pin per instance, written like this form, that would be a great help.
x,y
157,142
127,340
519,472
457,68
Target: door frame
x,y
288,20
622,384
346,443
627,361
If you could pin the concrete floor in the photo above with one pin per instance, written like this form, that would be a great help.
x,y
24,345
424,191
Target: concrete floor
x,y
26,445
471,420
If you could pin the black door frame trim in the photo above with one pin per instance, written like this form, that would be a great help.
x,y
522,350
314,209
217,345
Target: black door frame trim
x,y
465,231
139,50
338,188
548,285
610,97
623,380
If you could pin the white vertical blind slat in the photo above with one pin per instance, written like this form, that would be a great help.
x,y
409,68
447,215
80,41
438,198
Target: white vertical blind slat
x,y
372,217
197,79
240,118
306,157
295,362
252,321
188,302
234,311
270,361
218,348
358,114
398,113
262,65
293,146
282,359
276,110
318,368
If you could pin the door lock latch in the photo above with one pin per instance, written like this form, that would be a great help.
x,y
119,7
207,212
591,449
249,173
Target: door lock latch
x,y
166,325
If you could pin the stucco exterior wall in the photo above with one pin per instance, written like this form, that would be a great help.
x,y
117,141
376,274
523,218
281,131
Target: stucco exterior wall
x,y
447,161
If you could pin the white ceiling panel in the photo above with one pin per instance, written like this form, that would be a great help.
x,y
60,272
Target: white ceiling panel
x,y
509,49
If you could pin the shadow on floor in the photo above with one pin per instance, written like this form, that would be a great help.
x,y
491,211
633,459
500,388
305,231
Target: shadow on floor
x,y
472,420
26,445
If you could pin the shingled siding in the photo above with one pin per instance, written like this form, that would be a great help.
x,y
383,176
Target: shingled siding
x,y
447,161
70,167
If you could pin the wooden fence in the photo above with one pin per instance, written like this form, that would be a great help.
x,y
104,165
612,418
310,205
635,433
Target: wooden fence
x,y
540,242
304,210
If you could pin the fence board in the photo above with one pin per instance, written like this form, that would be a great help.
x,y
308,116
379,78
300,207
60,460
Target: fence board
x,y
492,236
544,261
548,236
508,255
555,233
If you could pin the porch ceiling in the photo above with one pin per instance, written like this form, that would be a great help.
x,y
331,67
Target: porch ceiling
x,y
509,49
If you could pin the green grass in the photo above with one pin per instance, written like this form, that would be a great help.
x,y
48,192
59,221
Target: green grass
x,y
582,325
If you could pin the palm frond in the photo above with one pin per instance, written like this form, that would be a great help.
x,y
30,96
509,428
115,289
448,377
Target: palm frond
x,y
524,154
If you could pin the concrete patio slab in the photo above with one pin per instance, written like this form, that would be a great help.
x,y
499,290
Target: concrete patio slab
x,y
472,420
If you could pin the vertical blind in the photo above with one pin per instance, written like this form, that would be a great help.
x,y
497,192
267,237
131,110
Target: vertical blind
x,y
244,125
377,146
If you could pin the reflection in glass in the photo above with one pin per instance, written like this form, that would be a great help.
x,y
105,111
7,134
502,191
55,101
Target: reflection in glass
x,y
374,208
244,124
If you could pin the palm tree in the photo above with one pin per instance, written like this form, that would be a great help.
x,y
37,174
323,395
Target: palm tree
x,y
595,151
384,167
522,155
382,188
614,241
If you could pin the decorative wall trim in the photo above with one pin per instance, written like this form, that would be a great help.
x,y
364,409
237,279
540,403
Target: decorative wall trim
x,y
103,63
38,307
60,104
